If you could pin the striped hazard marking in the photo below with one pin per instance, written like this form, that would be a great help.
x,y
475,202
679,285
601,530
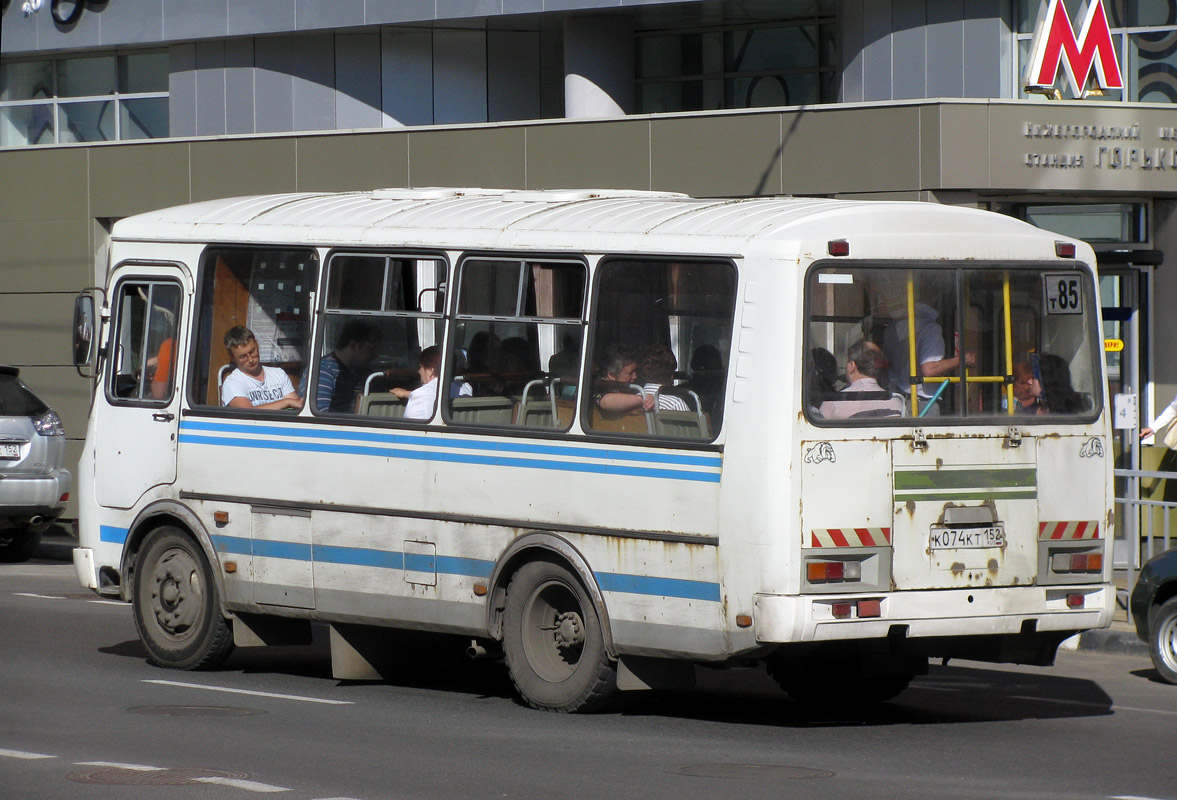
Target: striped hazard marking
x,y
850,537
1068,530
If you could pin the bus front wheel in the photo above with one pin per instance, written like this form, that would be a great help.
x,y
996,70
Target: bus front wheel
x,y
177,609
553,642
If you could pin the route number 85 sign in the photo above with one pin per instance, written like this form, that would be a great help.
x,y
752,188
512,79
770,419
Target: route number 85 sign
x,y
1063,293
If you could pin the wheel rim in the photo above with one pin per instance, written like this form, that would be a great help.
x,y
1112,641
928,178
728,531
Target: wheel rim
x,y
177,593
553,631
1167,641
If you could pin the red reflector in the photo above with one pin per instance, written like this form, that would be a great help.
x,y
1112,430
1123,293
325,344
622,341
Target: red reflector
x,y
1074,601
63,498
1064,249
870,608
841,610
841,247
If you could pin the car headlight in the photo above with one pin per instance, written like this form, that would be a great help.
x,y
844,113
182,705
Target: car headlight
x,y
49,424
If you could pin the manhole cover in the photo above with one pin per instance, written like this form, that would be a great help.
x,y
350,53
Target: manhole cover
x,y
197,711
180,776
759,771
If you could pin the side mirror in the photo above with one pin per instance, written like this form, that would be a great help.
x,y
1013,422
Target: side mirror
x,y
85,334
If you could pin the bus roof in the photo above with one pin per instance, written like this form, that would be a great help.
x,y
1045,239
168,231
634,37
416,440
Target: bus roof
x,y
598,221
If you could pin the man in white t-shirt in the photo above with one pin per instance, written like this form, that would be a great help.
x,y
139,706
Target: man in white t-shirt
x,y
251,385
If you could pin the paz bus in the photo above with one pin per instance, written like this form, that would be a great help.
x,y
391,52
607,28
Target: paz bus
x,y
598,546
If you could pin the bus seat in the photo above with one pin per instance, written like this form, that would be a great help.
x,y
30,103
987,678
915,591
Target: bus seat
x,y
221,373
684,424
536,410
382,404
483,410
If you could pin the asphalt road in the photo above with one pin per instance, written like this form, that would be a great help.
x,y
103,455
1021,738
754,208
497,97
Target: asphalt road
x,y
83,715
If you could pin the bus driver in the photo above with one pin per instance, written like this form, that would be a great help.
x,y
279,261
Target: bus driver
x,y
252,385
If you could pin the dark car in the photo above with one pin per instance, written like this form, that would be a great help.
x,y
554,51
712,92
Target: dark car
x,y
34,487
1154,610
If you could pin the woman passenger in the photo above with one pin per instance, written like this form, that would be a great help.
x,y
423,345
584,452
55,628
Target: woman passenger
x,y
419,402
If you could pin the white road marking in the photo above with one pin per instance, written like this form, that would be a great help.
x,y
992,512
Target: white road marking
x,y
39,596
1130,797
117,765
1060,702
109,603
237,783
300,698
22,754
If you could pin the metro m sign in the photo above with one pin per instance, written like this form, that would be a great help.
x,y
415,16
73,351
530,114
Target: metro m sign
x,y
1055,41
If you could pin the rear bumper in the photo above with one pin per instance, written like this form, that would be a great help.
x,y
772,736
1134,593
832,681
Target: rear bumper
x,y
22,497
946,613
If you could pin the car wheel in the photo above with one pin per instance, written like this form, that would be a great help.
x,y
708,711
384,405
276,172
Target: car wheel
x,y
553,642
1162,639
177,607
18,545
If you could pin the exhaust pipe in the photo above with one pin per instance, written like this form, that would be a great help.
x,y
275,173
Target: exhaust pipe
x,y
35,520
477,650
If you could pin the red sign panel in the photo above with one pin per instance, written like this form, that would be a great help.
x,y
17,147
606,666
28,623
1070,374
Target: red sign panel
x,y
1055,44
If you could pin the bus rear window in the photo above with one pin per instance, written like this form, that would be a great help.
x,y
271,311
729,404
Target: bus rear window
x,y
885,343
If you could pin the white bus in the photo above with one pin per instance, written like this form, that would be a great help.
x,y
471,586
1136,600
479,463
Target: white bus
x,y
881,435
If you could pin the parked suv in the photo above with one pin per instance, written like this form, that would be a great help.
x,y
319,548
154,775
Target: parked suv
x,y
34,487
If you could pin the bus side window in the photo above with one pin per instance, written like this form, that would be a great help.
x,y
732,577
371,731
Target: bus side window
x,y
268,291
658,344
515,351
145,341
379,312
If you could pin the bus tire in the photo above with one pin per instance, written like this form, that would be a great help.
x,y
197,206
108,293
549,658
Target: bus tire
x,y
1162,640
553,643
177,606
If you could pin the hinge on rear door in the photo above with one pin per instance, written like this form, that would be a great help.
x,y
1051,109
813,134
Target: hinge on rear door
x,y
1014,437
918,440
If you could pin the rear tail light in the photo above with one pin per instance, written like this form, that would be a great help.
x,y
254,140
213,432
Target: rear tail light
x,y
832,571
1064,249
49,424
1077,562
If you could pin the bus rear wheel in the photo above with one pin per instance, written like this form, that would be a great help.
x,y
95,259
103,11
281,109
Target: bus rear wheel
x,y
553,642
177,607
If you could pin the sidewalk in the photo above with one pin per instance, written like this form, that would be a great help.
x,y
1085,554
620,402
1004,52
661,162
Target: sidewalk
x,y
58,542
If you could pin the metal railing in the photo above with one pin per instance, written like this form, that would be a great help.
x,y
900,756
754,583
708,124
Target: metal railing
x,y
1138,517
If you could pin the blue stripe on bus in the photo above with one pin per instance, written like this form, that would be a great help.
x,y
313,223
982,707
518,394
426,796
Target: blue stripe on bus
x,y
663,587
111,534
457,458
454,565
457,443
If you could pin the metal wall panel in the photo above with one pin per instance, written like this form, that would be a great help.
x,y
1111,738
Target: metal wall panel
x,y
985,33
717,155
853,54
129,180
351,162
316,14
182,90
945,67
313,83
909,48
274,84
611,154
209,19
233,167
52,184
513,75
391,11
40,254
406,71
459,76
357,81
239,87
491,156
131,21
247,17
35,329
210,88
876,44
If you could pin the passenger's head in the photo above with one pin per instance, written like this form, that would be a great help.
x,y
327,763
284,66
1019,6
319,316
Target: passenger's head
x,y
428,363
357,343
706,358
1057,393
867,358
620,364
822,369
1024,383
657,364
243,350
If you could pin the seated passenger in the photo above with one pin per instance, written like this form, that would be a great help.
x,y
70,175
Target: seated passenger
x,y
864,397
421,400
251,385
823,371
657,368
1025,399
619,369
342,371
1055,393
